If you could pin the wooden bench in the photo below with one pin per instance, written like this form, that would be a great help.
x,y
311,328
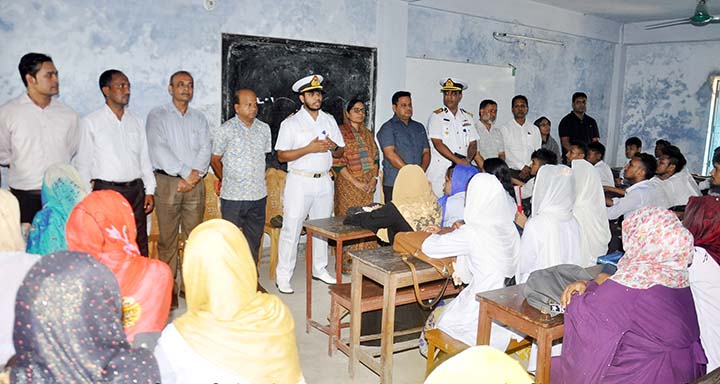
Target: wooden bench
x,y
372,299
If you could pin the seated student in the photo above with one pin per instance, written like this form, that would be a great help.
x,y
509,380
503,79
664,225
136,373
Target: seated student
x,y
595,155
231,333
578,151
457,178
702,219
673,178
489,244
639,326
61,190
633,146
539,158
641,193
14,263
498,168
660,146
551,235
102,225
713,187
589,211
68,326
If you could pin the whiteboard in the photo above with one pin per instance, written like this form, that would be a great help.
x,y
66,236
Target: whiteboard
x,y
484,82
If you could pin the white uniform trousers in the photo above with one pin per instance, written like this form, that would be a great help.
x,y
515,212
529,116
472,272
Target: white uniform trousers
x,y
302,196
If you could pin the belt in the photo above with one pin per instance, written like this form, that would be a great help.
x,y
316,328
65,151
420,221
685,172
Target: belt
x,y
308,174
33,192
161,172
130,183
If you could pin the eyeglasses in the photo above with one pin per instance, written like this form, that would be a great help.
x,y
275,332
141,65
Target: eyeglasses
x,y
358,110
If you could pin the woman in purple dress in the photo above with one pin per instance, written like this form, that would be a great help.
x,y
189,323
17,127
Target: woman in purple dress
x,y
638,326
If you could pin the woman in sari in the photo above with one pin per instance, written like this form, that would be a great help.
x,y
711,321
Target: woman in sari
x,y
356,172
231,333
103,225
61,190
640,325
68,326
702,219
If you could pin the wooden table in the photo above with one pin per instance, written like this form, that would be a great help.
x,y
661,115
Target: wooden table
x,y
331,228
385,267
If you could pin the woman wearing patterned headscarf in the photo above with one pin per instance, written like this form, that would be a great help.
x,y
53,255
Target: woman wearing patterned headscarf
x,y
68,326
702,219
231,333
639,326
103,226
61,190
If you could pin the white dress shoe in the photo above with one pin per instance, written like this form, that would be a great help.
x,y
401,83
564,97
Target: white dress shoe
x,y
325,278
284,287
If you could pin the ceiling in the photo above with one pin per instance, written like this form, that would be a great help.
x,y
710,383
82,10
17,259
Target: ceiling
x,y
631,11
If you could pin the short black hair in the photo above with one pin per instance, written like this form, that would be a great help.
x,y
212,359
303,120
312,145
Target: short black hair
x,y
352,102
499,168
662,143
545,156
597,146
450,171
106,77
540,119
716,156
397,95
519,97
580,145
675,156
31,63
180,72
578,95
649,163
486,102
633,141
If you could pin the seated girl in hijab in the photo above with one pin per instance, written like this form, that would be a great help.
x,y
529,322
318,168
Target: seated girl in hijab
x,y
61,190
103,225
231,333
702,219
68,326
590,212
640,325
457,178
551,235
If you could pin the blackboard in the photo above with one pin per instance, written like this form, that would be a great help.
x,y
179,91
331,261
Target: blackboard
x,y
270,67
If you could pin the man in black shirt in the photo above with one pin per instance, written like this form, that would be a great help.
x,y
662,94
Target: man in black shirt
x,y
577,126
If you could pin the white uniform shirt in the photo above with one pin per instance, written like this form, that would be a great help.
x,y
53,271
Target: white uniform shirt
x,y
33,138
638,195
299,129
679,187
114,150
490,142
605,173
704,276
456,131
519,142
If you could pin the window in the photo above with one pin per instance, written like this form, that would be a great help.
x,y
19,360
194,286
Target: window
x,y
713,137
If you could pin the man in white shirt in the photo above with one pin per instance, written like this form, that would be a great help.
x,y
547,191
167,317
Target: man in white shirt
x,y
179,145
308,140
595,155
113,152
490,142
452,134
520,138
36,131
674,180
641,193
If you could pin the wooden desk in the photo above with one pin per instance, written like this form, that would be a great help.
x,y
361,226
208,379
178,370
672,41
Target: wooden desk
x,y
385,267
331,228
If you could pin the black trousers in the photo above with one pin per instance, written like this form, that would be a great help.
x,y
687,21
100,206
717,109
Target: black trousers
x,y
30,203
134,193
387,194
249,216
387,216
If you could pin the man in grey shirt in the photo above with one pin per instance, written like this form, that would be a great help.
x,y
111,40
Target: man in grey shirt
x,y
179,144
238,158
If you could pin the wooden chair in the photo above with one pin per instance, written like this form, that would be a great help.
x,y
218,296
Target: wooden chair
x,y
275,179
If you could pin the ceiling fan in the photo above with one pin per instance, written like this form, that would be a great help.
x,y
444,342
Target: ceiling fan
x,y
699,18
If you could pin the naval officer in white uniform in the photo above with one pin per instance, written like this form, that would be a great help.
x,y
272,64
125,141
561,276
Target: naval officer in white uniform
x,y
307,141
452,134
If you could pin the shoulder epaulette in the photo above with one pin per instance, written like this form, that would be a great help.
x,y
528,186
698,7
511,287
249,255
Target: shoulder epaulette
x,y
466,112
439,110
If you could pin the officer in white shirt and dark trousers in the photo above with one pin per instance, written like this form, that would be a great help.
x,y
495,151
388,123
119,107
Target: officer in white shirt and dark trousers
x,y
113,152
36,131
452,133
307,141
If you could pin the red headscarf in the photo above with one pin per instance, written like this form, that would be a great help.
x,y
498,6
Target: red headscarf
x,y
103,225
702,219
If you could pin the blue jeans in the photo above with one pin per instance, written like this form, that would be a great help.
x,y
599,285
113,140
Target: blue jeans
x,y
249,216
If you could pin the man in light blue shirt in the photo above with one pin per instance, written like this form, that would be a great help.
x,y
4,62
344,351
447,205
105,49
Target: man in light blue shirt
x,y
179,144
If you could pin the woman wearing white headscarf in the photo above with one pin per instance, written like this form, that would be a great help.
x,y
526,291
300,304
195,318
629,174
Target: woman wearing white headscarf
x,y
590,212
489,243
551,235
